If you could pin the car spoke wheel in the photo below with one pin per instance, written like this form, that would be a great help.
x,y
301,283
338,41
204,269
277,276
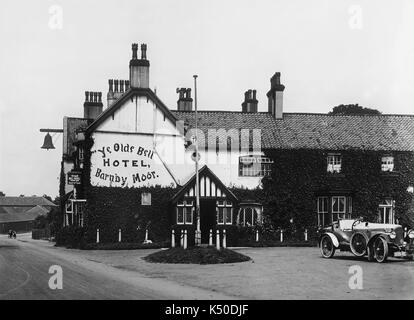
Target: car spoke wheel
x,y
380,249
327,247
358,245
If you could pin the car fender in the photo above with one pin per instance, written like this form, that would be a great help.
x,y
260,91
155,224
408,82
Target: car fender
x,y
334,239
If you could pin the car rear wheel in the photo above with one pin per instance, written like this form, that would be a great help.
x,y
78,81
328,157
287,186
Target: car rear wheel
x,y
327,247
358,244
380,249
370,252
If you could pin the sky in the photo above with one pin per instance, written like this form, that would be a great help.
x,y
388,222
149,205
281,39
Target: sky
x,y
328,53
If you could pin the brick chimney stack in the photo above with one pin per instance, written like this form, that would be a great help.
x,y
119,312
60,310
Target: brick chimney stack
x,y
92,107
250,101
185,102
139,68
275,96
116,89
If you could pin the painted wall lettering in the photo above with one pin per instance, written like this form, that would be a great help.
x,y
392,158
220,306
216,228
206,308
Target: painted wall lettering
x,y
126,161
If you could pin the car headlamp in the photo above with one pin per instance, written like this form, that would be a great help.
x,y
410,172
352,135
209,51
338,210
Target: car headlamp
x,y
411,234
393,235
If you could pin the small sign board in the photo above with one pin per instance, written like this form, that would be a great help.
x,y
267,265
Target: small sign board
x,y
74,178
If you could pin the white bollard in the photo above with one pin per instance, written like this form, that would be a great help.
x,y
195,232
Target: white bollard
x,y
182,238
218,240
306,234
257,235
224,239
210,239
97,235
172,238
119,235
405,232
281,235
146,235
185,239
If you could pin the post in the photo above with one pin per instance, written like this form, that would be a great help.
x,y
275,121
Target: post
x,y
257,235
97,235
119,235
281,235
210,239
197,189
146,235
405,232
172,238
224,239
218,240
182,238
185,239
306,234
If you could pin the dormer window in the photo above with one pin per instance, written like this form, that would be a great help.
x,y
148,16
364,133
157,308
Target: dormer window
x,y
387,163
255,166
334,163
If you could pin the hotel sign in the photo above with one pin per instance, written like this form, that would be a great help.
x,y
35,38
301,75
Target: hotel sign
x,y
74,178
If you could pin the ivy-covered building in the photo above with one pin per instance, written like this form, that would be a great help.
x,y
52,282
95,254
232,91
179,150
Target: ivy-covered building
x,y
131,166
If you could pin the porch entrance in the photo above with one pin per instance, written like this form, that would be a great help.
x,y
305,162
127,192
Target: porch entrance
x,y
207,218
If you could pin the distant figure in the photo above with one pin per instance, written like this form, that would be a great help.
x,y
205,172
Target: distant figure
x,y
10,234
14,234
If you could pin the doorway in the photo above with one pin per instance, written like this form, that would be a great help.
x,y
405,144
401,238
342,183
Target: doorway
x,y
207,218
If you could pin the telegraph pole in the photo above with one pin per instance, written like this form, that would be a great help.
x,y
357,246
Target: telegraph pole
x,y
197,188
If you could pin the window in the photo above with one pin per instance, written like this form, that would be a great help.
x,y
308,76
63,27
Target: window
x,y
386,211
334,163
330,209
387,163
338,204
323,204
185,212
224,212
78,212
250,216
254,166
146,199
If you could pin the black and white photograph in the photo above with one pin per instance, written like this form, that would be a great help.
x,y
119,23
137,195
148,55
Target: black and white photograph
x,y
224,152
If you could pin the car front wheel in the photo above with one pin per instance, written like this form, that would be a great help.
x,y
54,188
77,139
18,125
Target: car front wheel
x,y
327,247
380,249
358,245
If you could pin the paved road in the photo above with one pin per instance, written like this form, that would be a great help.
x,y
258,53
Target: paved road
x,y
24,275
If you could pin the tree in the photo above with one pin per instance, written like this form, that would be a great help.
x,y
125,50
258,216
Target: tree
x,y
353,109
2,194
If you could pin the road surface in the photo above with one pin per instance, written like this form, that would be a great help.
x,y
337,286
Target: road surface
x,y
24,274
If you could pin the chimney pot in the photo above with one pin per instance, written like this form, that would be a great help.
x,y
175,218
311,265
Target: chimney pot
x,y
143,51
134,51
86,96
121,84
185,102
111,85
116,85
250,103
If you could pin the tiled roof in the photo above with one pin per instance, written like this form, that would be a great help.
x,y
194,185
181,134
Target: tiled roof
x,y
314,131
25,201
15,215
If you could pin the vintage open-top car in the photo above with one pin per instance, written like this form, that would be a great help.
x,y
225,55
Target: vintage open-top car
x,y
377,241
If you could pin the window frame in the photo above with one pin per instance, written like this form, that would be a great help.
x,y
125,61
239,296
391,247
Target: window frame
x,y
227,209
388,166
332,166
254,161
184,205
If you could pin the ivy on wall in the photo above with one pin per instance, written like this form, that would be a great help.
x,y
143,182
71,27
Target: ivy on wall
x,y
298,176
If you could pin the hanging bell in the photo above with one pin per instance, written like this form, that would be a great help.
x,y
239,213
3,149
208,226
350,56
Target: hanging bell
x,y
48,144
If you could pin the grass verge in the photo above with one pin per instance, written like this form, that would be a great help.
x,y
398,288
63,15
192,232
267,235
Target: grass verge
x,y
196,255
